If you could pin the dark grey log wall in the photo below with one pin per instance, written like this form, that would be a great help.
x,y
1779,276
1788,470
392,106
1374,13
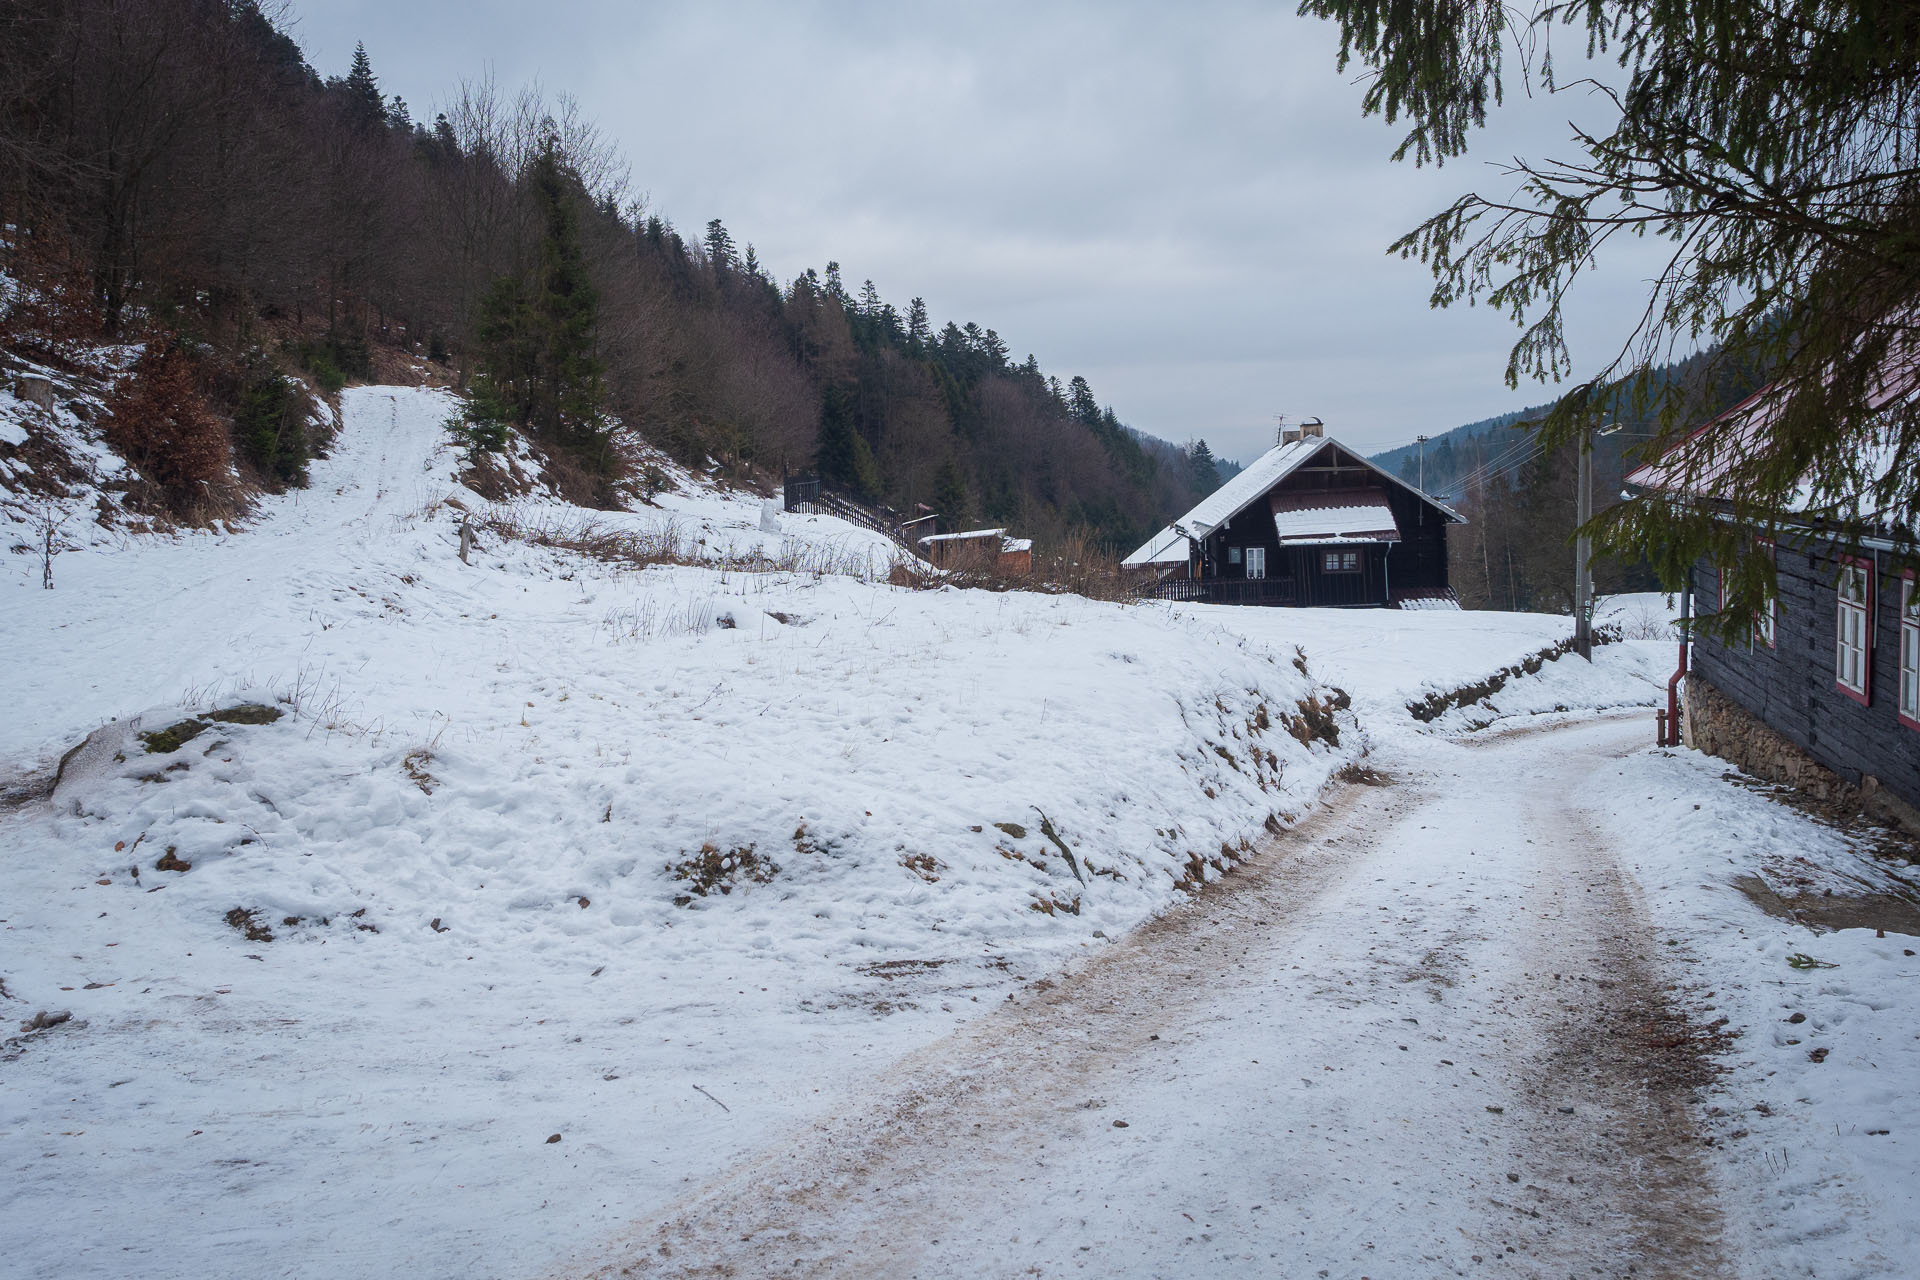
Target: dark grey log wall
x,y
1791,686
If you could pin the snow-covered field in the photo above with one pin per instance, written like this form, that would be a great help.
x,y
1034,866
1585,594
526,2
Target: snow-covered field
x,y
478,832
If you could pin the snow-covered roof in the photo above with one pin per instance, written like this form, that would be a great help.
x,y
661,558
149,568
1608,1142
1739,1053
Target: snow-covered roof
x,y
1252,484
1169,546
961,537
1264,472
1017,544
1362,516
1708,462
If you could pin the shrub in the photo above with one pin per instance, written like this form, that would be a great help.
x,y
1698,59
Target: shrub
x,y
333,360
161,424
480,435
270,426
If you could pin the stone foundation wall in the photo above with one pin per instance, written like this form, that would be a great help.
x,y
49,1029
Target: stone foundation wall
x,y
1716,724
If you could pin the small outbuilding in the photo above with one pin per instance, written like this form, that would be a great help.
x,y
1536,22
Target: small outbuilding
x,y
980,551
1309,522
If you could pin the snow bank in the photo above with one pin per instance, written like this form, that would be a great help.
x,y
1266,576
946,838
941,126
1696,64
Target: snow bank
x,y
1817,1116
1392,660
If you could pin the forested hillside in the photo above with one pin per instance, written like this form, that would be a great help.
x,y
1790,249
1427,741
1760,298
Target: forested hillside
x,y
195,185
1519,498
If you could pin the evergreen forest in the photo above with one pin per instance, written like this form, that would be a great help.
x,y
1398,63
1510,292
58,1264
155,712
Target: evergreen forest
x,y
211,195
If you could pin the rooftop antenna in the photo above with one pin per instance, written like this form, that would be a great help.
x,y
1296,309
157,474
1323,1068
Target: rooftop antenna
x,y
1280,428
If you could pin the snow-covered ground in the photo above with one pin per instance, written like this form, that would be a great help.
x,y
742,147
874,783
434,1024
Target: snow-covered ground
x,y
492,784
1817,1121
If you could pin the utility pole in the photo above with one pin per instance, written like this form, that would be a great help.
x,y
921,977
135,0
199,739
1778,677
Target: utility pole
x,y
1583,546
1583,553
1422,442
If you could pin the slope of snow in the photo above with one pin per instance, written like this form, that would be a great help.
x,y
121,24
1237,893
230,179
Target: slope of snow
x,y
473,812
488,788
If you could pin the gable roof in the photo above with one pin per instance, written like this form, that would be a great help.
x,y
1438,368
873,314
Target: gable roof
x,y
1169,546
1252,484
1706,462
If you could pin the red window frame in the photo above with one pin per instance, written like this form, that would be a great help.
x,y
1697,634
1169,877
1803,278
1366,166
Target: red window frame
x,y
1909,590
1864,695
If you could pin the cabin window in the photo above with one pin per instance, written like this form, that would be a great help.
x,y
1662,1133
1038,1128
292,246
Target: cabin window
x,y
1853,639
1233,555
1256,562
1910,650
1763,621
1340,562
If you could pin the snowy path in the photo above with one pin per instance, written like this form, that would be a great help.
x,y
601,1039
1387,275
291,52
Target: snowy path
x,y
200,605
1410,1040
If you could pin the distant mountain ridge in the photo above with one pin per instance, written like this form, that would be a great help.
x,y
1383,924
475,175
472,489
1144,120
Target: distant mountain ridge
x,y
1500,446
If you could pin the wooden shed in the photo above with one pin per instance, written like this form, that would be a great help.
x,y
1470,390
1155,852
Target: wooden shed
x,y
980,551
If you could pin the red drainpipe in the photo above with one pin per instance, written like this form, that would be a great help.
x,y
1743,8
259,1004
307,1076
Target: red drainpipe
x,y
1672,735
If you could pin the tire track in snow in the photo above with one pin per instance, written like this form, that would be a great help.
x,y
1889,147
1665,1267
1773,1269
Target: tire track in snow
x,y
1351,1058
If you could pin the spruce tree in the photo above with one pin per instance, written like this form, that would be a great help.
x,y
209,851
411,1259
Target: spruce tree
x,y
1206,476
950,495
365,107
842,455
1771,147
567,404
1080,402
720,250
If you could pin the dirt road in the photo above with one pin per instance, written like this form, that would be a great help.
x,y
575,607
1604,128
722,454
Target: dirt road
x,y
1422,1034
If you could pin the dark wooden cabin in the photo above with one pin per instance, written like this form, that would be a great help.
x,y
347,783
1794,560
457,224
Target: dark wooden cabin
x,y
1829,673
1308,523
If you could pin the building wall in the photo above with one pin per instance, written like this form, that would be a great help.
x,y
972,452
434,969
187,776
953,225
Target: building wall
x,y
1251,528
1419,560
1368,587
1791,686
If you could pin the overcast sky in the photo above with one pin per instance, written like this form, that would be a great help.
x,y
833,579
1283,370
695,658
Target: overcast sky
x,y
1183,203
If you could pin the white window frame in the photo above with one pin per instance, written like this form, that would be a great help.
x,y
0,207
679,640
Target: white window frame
x,y
1910,650
1853,629
1256,558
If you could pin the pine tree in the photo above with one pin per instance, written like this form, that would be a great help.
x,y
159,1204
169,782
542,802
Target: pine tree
x,y
720,251
568,307
1080,402
1772,148
365,107
835,290
1206,476
950,495
537,362
919,333
508,350
842,456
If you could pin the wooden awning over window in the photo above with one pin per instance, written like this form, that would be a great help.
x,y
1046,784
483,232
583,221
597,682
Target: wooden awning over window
x,y
1331,517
